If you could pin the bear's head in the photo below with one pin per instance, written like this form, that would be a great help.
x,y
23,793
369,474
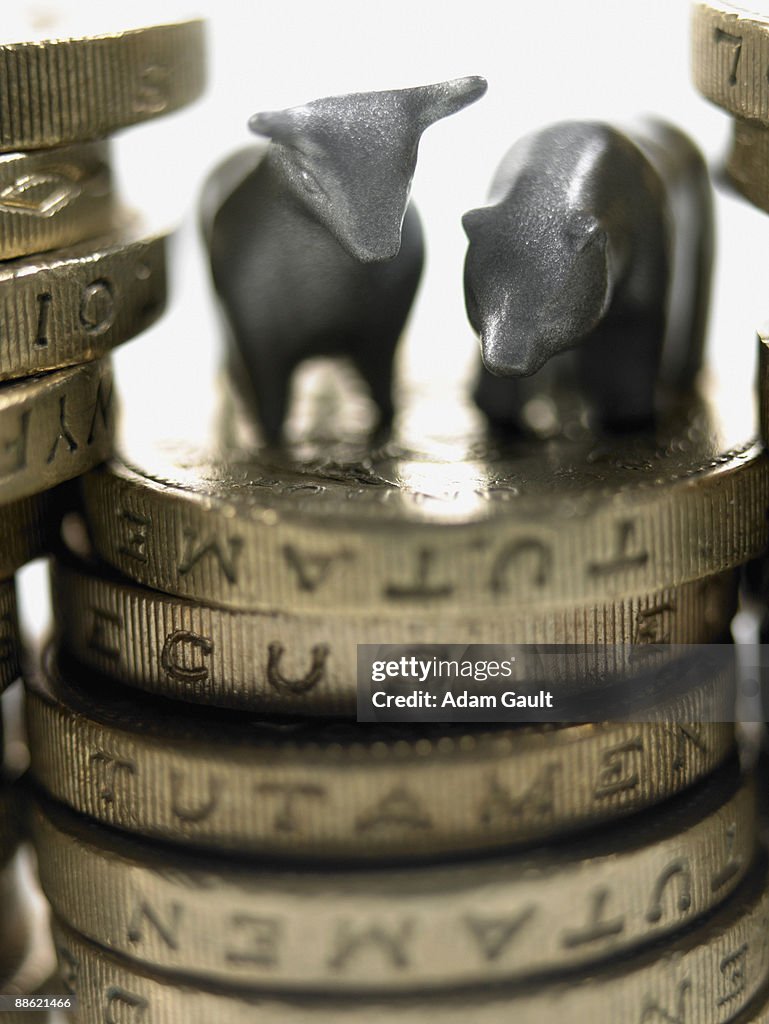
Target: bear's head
x,y
536,283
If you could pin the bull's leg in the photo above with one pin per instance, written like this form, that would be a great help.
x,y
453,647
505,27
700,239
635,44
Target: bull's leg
x,y
391,288
374,361
263,381
271,386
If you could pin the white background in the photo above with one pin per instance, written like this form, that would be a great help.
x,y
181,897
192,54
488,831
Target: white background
x,y
543,62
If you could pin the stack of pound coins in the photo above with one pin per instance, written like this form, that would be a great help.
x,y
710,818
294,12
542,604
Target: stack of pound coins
x,y
219,839
206,869
79,275
731,69
241,922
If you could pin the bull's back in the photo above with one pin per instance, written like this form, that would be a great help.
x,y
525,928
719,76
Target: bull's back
x,y
281,274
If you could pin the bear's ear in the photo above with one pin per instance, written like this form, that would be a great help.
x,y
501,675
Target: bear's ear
x,y
474,220
583,231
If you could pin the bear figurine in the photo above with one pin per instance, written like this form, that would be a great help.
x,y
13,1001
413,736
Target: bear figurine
x,y
596,253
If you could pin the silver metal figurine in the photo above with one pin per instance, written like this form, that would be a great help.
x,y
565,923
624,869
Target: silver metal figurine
x,y
314,247
596,253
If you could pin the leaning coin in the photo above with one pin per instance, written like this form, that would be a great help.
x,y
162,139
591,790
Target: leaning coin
x,y
549,910
307,663
78,303
310,787
71,90
24,530
730,57
706,976
10,641
54,427
54,197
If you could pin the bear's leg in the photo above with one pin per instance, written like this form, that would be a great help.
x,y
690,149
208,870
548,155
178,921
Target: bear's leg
x,y
619,370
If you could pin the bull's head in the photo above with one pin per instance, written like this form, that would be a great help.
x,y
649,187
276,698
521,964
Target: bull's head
x,y
350,159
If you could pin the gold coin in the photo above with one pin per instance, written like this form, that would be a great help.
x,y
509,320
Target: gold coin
x,y
72,90
76,304
730,58
54,197
10,641
53,428
549,910
706,976
325,788
307,663
24,529
430,523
